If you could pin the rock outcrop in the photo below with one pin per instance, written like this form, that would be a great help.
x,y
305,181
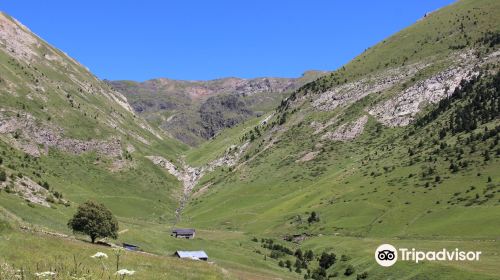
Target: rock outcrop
x,y
35,138
401,109
347,131
351,92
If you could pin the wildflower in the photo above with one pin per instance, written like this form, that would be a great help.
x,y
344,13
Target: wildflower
x,y
100,255
123,272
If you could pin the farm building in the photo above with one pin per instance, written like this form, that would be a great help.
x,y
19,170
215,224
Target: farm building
x,y
131,247
187,233
193,255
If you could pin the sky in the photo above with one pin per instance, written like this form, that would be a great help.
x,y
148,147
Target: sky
x,y
201,40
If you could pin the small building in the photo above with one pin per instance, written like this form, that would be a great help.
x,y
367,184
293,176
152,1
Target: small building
x,y
187,233
131,247
192,255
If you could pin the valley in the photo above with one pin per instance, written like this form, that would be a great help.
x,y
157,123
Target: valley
x,y
399,146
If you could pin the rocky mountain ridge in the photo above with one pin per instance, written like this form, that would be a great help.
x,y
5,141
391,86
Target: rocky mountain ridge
x,y
194,111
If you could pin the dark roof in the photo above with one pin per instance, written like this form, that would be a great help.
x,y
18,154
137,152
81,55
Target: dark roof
x,y
183,231
130,245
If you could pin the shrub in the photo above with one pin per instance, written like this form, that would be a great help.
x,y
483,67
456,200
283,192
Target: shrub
x,y
313,218
326,260
3,176
363,275
345,258
349,270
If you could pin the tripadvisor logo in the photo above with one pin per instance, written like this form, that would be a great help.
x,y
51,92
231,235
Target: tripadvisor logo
x,y
387,255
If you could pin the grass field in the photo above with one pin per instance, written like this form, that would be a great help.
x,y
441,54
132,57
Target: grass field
x,y
408,186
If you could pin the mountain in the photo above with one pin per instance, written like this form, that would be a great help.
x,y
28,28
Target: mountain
x,y
194,111
66,137
399,146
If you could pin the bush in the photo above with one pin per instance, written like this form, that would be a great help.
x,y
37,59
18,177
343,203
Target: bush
x,y
50,199
349,270
326,260
345,258
3,176
309,255
313,218
94,220
363,275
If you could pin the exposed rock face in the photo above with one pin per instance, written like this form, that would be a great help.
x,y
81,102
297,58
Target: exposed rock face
x,y
349,93
193,111
401,109
28,135
199,89
319,127
347,131
27,189
308,157
230,157
31,191
17,39
190,176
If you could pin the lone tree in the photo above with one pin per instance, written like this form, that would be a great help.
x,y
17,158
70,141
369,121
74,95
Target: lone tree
x,y
95,220
313,218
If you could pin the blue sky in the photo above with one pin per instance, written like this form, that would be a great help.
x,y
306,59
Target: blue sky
x,y
199,40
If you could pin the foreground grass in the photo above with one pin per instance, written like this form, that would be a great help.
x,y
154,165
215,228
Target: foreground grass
x,y
72,258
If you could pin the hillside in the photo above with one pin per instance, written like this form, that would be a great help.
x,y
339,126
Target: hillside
x,y
399,145
281,178
67,137
194,111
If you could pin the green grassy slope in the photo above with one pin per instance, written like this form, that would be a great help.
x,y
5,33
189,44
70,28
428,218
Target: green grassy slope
x,y
430,184
78,107
26,253
66,101
389,183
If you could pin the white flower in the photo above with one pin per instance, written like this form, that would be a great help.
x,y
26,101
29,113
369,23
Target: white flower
x,y
100,255
45,274
125,272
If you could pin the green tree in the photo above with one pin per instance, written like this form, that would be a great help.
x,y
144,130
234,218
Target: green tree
x,y
288,263
313,218
349,270
309,255
94,220
3,176
326,260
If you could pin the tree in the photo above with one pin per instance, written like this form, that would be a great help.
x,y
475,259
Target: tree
x,y
288,263
313,218
3,176
349,270
326,260
309,255
361,276
298,254
94,220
